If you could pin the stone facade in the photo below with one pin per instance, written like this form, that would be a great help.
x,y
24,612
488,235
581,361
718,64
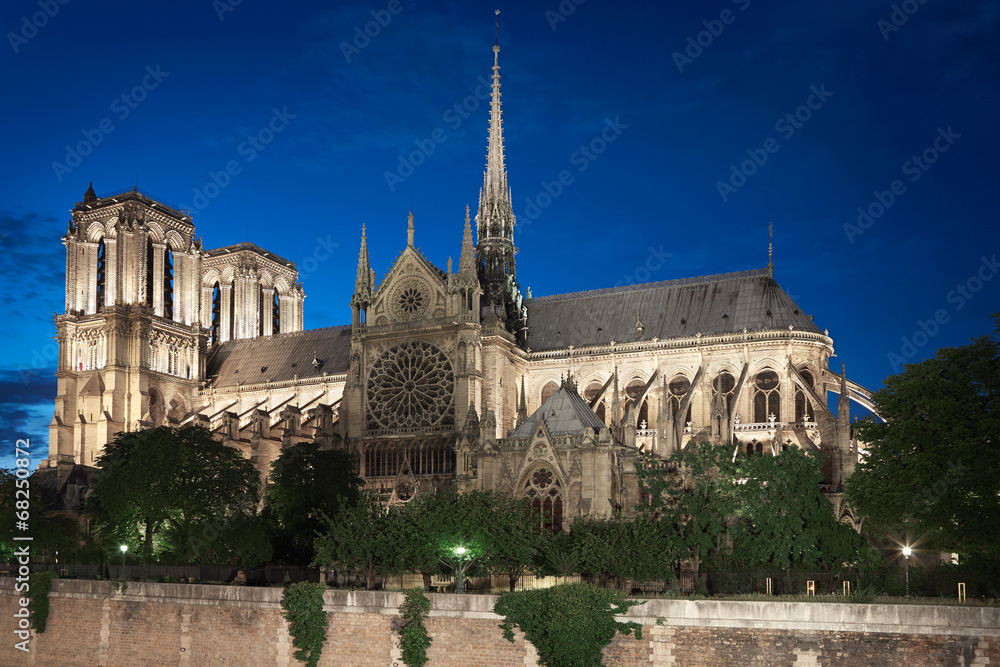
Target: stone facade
x,y
439,368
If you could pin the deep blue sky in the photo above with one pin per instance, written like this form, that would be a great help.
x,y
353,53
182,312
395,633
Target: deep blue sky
x,y
887,95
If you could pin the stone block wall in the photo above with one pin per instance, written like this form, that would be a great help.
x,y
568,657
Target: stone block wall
x,y
193,625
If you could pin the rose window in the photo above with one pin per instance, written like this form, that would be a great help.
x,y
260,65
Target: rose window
x,y
542,478
411,386
411,300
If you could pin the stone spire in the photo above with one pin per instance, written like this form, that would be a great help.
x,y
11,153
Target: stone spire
x,y
409,230
495,227
362,298
770,249
841,457
467,260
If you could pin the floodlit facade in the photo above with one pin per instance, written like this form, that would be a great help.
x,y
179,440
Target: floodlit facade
x,y
443,375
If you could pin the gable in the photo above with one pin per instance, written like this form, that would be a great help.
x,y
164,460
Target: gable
x,y
414,289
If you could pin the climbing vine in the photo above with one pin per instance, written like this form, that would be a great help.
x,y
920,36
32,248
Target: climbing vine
x,y
303,605
414,640
40,583
568,625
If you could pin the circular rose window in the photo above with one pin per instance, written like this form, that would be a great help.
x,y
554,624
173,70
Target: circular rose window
x,y
411,386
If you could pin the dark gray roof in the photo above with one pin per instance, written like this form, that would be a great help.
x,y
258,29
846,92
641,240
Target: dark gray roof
x,y
246,245
723,303
563,413
282,357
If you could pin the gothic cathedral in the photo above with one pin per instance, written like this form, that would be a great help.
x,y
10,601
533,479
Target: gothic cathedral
x,y
443,376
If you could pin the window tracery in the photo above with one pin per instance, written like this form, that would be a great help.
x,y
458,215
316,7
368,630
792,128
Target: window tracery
x,y
410,386
767,397
545,491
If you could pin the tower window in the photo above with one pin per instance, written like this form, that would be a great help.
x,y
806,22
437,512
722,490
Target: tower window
x,y
275,313
102,267
168,283
216,312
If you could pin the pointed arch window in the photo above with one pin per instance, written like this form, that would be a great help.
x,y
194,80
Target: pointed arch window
x,y
545,491
549,389
678,388
102,270
216,312
801,400
150,263
168,283
275,313
726,384
767,397
590,393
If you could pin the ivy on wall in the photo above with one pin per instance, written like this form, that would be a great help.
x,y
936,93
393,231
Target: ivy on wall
x,y
303,605
568,625
414,640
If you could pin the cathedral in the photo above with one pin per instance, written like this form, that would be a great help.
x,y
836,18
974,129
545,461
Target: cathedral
x,y
444,375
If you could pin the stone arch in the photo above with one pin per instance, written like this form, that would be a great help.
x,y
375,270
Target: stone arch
x,y
210,277
266,279
155,232
281,286
95,232
548,389
174,241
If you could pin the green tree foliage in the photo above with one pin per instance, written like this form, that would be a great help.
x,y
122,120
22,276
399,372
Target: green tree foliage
x,y
51,533
40,584
640,548
362,538
931,471
691,492
305,483
171,493
303,605
569,625
497,532
786,520
414,639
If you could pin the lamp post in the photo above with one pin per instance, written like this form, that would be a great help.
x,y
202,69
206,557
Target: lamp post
x,y
459,568
124,548
906,553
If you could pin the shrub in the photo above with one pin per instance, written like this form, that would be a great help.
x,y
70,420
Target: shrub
x,y
569,625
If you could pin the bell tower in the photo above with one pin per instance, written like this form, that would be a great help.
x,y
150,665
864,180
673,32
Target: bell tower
x,y
131,343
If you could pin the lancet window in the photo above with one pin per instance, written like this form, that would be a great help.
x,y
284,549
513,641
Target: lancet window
x,y
767,397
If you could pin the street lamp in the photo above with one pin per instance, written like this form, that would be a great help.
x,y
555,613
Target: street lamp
x,y
906,552
460,553
124,548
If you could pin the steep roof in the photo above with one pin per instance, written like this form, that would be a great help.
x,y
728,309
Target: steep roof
x,y
563,413
281,357
723,303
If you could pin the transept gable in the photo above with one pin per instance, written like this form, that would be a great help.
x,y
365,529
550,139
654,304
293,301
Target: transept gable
x,y
413,289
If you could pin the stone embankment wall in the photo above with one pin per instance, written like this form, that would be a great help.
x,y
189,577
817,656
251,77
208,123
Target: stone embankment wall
x,y
179,624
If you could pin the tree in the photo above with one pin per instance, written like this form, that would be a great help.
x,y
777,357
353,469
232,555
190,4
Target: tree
x,y
786,519
689,492
931,466
306,483
171,492
362,538
640,548
491,529
22,496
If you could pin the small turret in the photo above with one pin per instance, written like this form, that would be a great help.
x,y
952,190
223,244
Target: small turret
x,y
363,284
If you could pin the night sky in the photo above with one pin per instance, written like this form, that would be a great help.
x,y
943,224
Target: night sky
x,y
680,130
